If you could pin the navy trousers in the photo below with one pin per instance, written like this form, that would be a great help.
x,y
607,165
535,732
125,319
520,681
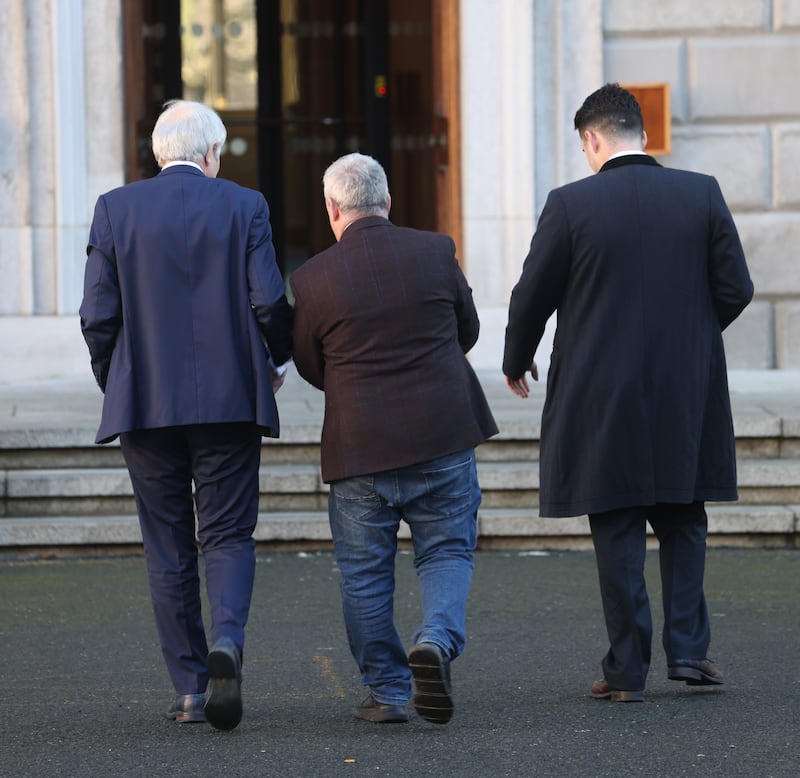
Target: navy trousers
x,y
620,547
222,460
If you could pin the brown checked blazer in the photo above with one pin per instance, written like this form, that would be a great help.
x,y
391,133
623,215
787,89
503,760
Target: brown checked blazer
x,y
383,320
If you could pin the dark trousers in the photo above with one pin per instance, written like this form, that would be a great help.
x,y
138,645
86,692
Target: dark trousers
x,y
620,548
223,461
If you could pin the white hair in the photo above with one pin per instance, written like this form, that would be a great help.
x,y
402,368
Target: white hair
x,y
357,183
185,131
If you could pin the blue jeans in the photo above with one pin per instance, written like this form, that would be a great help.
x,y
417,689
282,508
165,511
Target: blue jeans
x,y
439,500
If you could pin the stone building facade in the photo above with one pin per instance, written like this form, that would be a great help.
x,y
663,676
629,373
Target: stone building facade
x,y
525,66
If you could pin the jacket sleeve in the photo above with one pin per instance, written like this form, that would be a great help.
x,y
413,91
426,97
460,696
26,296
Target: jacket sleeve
x,y
308,355
101,308
539,289
729,278
267,288
466,313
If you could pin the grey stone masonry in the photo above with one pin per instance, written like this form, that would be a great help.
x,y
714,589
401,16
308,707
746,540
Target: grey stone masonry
x,y
787,334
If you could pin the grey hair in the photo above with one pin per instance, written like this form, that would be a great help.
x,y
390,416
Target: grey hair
x,y
185,131
357,183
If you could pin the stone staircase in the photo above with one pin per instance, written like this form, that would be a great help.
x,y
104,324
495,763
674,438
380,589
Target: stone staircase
x,y
60,492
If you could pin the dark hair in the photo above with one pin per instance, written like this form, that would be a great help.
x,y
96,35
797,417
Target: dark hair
x,y
611,110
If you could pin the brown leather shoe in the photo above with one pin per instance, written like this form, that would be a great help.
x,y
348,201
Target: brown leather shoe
x,y
602,691
187,709
380,712
695,672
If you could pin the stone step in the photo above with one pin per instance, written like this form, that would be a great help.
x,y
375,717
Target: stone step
x,y
299,487
729,524
499,449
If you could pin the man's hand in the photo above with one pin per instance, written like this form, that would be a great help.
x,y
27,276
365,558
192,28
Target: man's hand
x,y
277,381
278,375
519,386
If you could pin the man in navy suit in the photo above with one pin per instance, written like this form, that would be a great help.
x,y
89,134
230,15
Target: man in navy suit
x,y
383,320
645,269
188,327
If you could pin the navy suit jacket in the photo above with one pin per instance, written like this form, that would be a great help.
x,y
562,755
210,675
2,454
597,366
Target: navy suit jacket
x,y
184,304
644,267
383,320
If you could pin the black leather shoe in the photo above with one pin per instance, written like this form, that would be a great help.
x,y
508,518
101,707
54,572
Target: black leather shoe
x,y
695,672
224,706
380,712
602,691
431,672
187,709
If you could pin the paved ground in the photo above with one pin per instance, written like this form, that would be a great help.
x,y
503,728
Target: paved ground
x,y
82,685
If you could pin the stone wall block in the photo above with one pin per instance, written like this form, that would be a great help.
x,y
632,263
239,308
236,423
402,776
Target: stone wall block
x,y
737,157
787,166
749,341
771,243
650,61
40,347
16,290
787,335
723,80
623,16
787,14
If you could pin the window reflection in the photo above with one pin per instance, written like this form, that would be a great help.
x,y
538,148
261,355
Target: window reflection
x,y
219,67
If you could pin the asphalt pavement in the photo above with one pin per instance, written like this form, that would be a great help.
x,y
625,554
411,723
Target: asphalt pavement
x,y
83,687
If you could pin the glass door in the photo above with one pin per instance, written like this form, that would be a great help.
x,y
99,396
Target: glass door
x,y
311,112
298,83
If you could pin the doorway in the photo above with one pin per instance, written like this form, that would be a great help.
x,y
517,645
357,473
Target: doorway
x,y
298,83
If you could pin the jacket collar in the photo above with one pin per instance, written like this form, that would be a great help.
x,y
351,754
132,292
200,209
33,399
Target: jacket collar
x,y
364,223
629,159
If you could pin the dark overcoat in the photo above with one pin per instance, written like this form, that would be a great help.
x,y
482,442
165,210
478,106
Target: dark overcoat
x,y
645,268
181,291
383,320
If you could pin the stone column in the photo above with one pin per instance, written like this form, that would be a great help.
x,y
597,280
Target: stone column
x,y
16,291
525,69
69,108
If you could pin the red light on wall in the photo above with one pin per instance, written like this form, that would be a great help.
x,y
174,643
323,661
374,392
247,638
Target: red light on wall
x,y
380,86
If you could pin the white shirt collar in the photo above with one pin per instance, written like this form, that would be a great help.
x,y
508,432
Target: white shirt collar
x,y
626,153
183,162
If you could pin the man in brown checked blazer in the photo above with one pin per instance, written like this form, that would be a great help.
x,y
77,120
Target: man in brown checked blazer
x,y
383,321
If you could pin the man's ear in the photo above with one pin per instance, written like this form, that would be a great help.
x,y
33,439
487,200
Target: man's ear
x,y
644,140
333,210
592,140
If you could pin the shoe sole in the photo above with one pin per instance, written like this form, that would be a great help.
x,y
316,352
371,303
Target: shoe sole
x,y
431,698
190,718
619,696
375,717
224,706
182,717
693,677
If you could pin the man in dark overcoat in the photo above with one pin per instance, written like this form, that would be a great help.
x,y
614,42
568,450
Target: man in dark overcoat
x,y
383,320
644,268
188,326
